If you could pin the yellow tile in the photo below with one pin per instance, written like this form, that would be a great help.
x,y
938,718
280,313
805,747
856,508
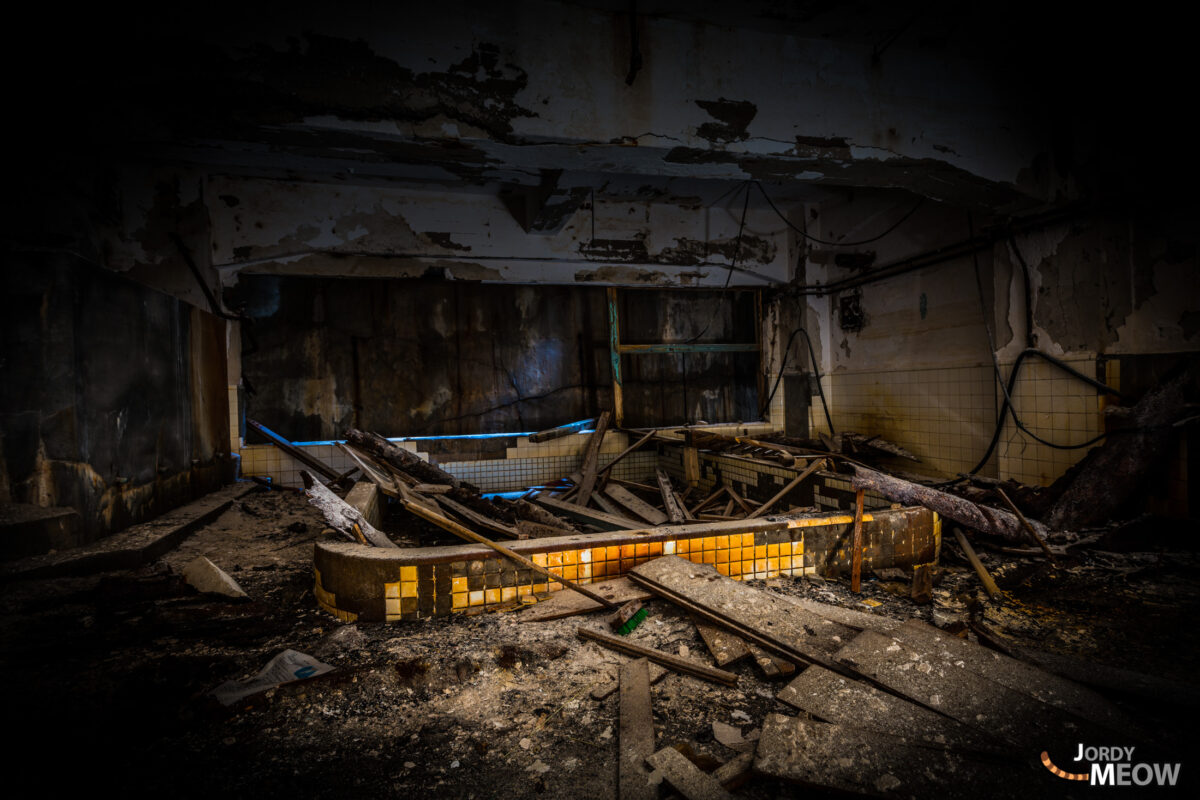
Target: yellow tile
x,y
458,584
570,557
554,559
391,590
760,565
391,605
491,596
570,573
722,556
735,553
392,618
627,551
656,548
772,550
458,600
612,553
709,557
683,546
710,543
408,589
538,588
723,569
760,551
785,562
722,541
554,586
475,598
585,556
508,593
408,573
798,547
747,540
747,567
539,559
668,548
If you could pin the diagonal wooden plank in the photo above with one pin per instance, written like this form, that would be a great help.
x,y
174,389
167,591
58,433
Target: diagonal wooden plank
x,y
588,516
676,511
636,736
765,507
845,701
569,603
590,456
686,777
726,647
682,665
635,505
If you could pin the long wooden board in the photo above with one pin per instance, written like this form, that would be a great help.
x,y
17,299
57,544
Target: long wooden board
x,y
568,602
636,737
588,516
686,777
591,455
634,504
725,647
682,665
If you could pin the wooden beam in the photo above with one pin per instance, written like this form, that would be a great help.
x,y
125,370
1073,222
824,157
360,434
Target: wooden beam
x,y
310,461
985,577
588,516
1028,527
590,456
341,516
636,737
681,665
635,505
686,778
474,517
765,507
675,509
636,445
560,431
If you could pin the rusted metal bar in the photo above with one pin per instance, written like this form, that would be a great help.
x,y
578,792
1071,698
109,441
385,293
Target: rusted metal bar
x,y
856,556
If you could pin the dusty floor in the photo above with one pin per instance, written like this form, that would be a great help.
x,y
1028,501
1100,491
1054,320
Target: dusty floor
x,y
108,676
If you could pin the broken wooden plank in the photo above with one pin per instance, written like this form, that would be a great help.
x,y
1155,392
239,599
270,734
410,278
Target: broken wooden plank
x,y
741,503
474,517
919,674
682,665
606,690
608,468
712,498
636,735
635,505
568,603
524,509
364,497
765,618
725,647
371,470
985,577
765,507
562,430
676,511
864,762
845,701
691,465
734,772
590,456
588,516
432,488
772,667
299,454
388,452
991,521
1027,525
612,509
922,584
341,516
685,777
536,530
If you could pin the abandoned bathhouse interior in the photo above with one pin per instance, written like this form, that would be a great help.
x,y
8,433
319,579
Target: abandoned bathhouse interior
x,y
598,399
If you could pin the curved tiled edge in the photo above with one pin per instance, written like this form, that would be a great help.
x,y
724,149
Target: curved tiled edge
x,y
357,582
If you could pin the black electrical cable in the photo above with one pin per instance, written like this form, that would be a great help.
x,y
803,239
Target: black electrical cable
x,y
816,371
737,250
811,238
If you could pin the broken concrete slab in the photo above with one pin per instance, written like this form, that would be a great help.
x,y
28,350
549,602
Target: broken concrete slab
x,y
206,577
725,647
686,777
841,700
863,762
569,602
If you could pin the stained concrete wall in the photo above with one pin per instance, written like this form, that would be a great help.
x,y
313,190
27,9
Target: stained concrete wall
x,y
909,357
410,358
112,401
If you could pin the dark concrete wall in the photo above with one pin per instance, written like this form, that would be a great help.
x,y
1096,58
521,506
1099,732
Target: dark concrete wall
x,y
428,357
113,400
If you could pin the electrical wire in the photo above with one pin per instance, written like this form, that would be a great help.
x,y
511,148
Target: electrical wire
x,y
816,372
737,250
811,238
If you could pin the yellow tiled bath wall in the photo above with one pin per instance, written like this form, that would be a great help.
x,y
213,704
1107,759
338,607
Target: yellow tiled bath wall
x,y
424,582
